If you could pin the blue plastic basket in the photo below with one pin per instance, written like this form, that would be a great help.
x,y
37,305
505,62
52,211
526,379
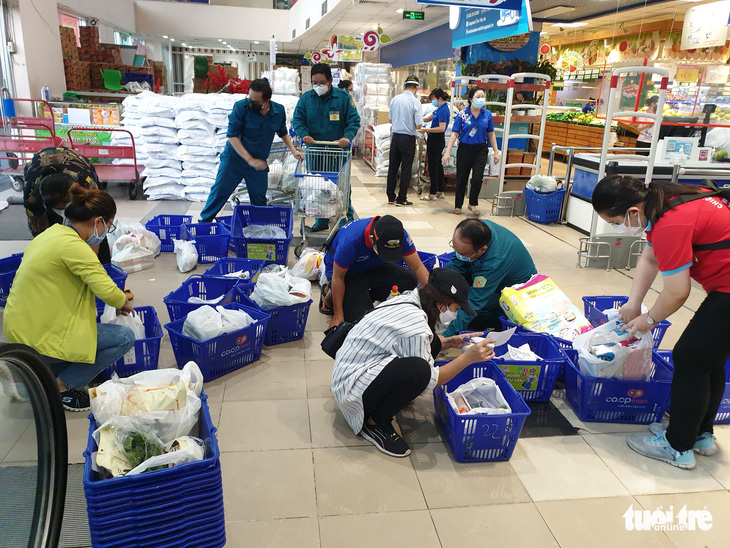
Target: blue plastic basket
x,y
271,251
146,352
539,388
8,267
225,353
544,208
723,412
118,276
444,259
428,260
287,323
229,265
207,289
225,220
612,400
593,306
480,438
130,510
169,228
211,241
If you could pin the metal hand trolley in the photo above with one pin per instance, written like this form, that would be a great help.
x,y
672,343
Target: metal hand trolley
x,y
19,139
323,187
283,186
108,172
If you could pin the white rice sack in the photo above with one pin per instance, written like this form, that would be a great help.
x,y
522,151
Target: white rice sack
x,y
199,181
200,136
155,121
166,192
160,172
158,150
152,182
185,151
158,163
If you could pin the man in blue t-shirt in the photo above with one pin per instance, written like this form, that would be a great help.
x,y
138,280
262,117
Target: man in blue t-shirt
x,y
359,265
491,258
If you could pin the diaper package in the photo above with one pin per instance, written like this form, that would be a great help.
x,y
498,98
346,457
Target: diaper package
x,y
539,305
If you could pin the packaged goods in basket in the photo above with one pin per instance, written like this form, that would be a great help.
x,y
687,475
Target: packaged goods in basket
x,y
207,322
539,305
280,289
134,257
319,197
480,396
135,233
607,352
144,421
187,255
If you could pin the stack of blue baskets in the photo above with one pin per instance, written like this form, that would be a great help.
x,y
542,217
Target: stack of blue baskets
x,y
173,507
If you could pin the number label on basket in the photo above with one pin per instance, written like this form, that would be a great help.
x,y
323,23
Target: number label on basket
x,y
130,357
522,377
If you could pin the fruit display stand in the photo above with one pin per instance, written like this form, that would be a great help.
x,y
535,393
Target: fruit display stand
x,y
572,129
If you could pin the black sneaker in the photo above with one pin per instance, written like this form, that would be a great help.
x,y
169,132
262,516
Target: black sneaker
x,y
385,438
403,203
75,400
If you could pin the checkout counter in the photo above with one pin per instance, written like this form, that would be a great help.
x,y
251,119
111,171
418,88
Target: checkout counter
x,y
585,179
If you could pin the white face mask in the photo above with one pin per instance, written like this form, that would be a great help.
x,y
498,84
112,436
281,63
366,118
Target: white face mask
x,y
629,230
320,89
447,317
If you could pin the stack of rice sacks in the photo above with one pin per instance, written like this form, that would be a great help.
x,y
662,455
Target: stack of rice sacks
x,y
284,81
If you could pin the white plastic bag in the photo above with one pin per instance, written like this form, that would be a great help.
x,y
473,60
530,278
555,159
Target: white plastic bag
x,y
179,451
165,400
480,396
600,353
126,234
308,265
264,232
206,322
187,255
134,257
542,184
132,322
280,289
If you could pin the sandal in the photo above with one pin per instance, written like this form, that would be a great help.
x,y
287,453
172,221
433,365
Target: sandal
x,y
457,211
475,210
323,308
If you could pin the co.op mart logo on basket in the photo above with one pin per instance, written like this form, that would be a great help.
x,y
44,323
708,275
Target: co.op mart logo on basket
x,y
240,347
634,396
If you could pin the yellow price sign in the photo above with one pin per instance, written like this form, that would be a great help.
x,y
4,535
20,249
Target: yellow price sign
x,y
687,73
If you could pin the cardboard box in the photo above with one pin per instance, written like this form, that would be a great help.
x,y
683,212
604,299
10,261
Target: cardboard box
x,y
89,36
528,158
383,117
513,157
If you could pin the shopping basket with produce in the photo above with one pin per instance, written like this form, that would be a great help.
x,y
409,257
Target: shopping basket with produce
x,y
322,186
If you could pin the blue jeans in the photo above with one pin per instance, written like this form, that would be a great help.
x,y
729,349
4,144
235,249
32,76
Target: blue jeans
x,y
231,170
112,342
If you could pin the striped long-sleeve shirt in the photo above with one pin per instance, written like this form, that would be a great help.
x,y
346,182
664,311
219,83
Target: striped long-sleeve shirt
x,y
387,333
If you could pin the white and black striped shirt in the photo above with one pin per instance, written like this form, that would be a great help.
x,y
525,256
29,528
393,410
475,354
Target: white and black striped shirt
x,y
387,333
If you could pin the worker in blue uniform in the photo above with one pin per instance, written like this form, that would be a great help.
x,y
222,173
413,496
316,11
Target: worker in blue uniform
x,y
251,128
326,113
491,258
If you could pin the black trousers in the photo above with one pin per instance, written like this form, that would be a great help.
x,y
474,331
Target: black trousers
x,y
435,150
364,288
642,144
397,385
470,158
699,371
402,152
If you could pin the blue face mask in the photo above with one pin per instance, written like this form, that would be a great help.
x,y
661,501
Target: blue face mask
x,y
463,257
479,102
435,103
95,239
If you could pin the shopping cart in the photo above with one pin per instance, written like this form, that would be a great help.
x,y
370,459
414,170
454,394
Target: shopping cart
x,y
23,135
281,178
108,172
322,187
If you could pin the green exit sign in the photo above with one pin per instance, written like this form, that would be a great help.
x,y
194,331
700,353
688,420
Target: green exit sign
x,y
414,15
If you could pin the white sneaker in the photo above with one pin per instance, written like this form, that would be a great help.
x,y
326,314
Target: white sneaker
x,y
704,445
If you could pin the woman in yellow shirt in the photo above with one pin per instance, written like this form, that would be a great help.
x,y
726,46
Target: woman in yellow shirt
x,y
51,305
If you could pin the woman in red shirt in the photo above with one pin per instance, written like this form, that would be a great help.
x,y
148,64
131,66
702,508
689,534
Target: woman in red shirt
x,y
689,240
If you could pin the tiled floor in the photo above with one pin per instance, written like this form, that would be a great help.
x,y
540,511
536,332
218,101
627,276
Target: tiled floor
x,y
295,475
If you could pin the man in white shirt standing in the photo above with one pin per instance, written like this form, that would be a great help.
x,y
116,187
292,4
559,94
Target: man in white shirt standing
x,y
406,119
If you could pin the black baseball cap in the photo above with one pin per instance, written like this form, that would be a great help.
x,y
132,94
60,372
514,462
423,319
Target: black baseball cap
x,y
388,237
451,283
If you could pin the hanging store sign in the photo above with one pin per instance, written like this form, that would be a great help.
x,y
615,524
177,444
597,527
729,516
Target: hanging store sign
x,y
483,25
414,15
716,74
345,47
706,26
482,4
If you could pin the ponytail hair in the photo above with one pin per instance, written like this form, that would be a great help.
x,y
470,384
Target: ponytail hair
x,y
87,204
615,194
54,188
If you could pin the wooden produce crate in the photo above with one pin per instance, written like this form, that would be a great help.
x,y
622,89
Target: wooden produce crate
x,y
570,135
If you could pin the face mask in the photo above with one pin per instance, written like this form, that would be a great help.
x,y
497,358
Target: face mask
x,y
447,317
435,103
256,107
479,102
95,239
320,89
60,212
629,230
463,257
